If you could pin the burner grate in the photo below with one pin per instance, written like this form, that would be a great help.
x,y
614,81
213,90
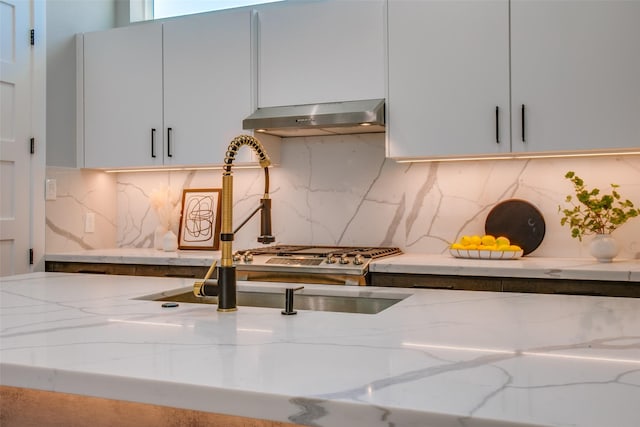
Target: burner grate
x,y
323,251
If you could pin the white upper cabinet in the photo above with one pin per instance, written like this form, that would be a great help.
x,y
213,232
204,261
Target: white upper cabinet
x,y
448,88
574,66
576,69
207,85
123,97
170,94
320,51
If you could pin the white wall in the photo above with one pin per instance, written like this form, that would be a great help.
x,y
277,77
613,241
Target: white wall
x,y
65,18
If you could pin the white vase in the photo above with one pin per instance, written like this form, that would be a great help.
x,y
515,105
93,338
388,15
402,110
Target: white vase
x,y
603,247
170,242
158,235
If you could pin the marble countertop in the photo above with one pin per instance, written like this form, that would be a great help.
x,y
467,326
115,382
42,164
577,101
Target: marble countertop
x,y
529,266
441,358
148,256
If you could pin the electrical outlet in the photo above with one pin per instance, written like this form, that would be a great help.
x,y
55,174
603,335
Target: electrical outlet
x,y
51,189
90,222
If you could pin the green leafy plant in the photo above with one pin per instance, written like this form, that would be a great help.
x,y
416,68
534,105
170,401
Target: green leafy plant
x,y
594,213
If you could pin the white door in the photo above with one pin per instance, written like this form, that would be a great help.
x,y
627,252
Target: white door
x,y
15,126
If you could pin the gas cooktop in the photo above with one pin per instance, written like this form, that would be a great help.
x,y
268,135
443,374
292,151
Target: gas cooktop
x,y
309,264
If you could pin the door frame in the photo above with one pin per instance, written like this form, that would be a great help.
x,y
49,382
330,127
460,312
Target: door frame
x,y
39,131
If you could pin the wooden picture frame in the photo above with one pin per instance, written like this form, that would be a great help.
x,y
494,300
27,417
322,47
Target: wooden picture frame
x,y
200,219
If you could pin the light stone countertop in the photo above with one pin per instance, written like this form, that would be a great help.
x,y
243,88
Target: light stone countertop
x,y
148,256
529,266
437,357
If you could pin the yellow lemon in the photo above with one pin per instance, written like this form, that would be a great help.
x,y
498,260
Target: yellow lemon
x,y
457,246
515,248
471,246
501,241
504,248
476,240
465,240
488,240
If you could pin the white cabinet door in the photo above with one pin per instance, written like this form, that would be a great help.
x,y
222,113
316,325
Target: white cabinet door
x,y
123,97
321,51
207,85
576,68
448,72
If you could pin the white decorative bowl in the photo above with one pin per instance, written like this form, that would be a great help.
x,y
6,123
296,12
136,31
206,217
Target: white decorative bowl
x,y
485,254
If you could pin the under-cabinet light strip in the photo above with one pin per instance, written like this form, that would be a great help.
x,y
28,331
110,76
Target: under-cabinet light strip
x,y
516,157
186,168
401,160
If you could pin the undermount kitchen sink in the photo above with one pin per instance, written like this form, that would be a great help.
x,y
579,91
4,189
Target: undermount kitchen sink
x,y
274,298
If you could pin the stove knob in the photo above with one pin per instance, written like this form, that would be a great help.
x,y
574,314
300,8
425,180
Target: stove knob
x,y
236,256
331,259
358,259
344,259
248,257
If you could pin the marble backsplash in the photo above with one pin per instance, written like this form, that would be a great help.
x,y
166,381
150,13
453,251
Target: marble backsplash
x,y
340,190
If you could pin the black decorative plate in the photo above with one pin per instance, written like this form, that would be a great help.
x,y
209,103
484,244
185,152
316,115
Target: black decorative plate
x,y
518,220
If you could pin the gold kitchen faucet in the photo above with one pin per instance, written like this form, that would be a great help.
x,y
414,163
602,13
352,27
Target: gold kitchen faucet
x,y
225,286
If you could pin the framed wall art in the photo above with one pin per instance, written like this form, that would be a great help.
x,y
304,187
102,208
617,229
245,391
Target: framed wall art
x,y
200,219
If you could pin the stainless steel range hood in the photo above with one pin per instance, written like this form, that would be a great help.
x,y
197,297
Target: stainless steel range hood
x,y
331,118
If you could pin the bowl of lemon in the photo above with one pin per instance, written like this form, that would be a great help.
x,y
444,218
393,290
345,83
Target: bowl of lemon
x,y
485,247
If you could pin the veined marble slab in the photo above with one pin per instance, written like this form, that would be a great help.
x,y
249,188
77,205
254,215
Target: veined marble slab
x,y
529,266
436,358
341,190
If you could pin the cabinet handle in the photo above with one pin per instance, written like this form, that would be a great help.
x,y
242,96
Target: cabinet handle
x,y
497,125
523,123
169,142
153,142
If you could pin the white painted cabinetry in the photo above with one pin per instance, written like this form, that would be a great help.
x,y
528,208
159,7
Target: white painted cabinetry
x,y
320,51
170,94
207,85
574,67
123,97
448,72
